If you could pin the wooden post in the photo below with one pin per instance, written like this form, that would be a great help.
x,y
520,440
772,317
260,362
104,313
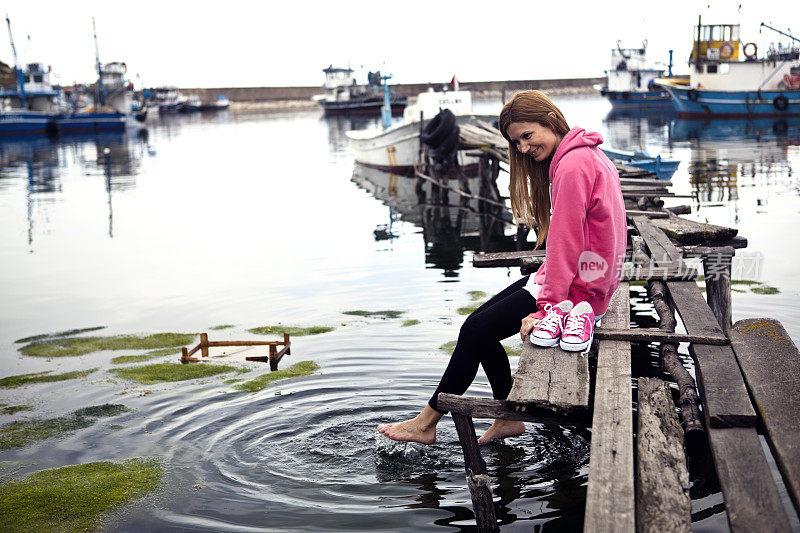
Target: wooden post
x,y
287,344
204,344
273,358
477,476
717,268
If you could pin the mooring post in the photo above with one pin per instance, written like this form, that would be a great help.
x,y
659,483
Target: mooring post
x,y
477,475
287,344
717,270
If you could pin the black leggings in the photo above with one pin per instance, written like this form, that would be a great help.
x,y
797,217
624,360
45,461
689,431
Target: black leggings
x,y
479,343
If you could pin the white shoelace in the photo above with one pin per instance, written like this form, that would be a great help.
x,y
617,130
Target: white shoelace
x,y
574,324
550,321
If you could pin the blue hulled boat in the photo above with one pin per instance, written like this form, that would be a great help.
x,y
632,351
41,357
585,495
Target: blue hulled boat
x,y
729,79
663,168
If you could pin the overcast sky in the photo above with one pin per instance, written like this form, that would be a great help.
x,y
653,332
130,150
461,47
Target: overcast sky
x,y
239,44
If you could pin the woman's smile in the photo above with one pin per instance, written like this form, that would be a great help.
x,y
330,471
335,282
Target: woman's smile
x,y
533,139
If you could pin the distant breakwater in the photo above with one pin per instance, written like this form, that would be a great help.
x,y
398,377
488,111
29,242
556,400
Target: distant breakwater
x,y
271,94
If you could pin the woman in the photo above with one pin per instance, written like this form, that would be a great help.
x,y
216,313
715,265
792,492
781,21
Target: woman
x,y
562,182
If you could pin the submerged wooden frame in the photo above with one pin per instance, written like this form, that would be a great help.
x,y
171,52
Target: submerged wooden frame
x,y
274,355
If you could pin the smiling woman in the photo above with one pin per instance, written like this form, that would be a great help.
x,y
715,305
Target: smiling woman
x,y
559,173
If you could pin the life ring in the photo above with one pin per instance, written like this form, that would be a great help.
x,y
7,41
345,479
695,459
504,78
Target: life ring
x,y
754,52
726,50
780,102
692,95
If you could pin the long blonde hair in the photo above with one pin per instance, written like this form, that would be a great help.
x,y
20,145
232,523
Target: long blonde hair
x,y
530,182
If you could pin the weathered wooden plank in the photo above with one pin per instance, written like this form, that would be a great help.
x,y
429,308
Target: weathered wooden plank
x,y
717,269
645,182
532,411
501,259
610,491
751,497
477,476
661,249
662,479
688,231
725,397
648,214
550,376
657,335
770,363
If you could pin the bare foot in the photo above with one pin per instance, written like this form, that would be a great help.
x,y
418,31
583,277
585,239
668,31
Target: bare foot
x,y
421,428
502,429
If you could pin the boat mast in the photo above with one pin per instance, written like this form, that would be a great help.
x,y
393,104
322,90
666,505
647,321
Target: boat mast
x,y
789,35
101,90
386,109
20,76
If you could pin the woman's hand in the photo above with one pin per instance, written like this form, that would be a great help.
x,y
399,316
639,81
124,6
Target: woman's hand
x,y
528,323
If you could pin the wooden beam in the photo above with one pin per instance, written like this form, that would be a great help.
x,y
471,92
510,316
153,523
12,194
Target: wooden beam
x,y
724,395
770,363
610,490
477,476
751,497
687,231
532,411
662,479
550,376
657,335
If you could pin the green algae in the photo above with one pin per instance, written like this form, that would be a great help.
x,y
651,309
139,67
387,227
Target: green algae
x,y
291,330
18,434
515,351
222,326
231,381
765,289
116,427
71,346
152,354
744,282
171,372
409,323
76,497
737,290
68,333
468,309
12,382
375,314
13,409
448,347
477,295
303,368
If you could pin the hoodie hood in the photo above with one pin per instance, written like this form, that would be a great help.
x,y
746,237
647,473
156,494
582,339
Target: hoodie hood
x,y
575,138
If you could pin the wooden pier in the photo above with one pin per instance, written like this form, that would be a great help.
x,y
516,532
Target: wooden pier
x,y
748,377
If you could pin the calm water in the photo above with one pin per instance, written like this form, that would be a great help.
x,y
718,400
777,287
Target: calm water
x,y
261,219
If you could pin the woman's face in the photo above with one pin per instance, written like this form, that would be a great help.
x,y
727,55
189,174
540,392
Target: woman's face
x,y
533,139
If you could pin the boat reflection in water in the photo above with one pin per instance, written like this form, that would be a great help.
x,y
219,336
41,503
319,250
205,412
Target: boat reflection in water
x,y
42,161
451,223
728,154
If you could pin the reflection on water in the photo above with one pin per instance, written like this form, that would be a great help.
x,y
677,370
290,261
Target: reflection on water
x,y
450,223
263,218
41,161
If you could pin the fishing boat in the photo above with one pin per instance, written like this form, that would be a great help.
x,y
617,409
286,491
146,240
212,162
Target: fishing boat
x,y
396,147
630,84
730,79
29,107
663,168
344,95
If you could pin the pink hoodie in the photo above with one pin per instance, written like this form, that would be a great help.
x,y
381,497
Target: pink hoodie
x,y
588,229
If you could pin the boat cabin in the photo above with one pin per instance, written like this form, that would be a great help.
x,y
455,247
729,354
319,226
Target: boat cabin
x,y
431,102
629,72
40,95
722,63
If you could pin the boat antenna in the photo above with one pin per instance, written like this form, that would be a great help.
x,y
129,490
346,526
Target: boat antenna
x,y
789,35
100,89
386,109
20,76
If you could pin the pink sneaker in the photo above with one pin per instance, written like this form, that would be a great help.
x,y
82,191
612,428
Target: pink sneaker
x,y
548,330
578,328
